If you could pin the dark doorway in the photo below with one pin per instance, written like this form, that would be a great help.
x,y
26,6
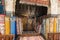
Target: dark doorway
x,y
29,13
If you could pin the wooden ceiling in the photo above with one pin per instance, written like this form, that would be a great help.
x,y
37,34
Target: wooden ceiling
x,y
35,2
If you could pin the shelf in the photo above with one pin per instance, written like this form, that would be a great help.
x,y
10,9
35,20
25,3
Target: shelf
x,y
34,34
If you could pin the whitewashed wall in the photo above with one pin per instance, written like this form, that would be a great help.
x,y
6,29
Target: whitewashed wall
x,y
54,6
10,6
59,6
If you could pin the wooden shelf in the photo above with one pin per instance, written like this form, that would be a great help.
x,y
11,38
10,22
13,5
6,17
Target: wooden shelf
x,y
34,34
